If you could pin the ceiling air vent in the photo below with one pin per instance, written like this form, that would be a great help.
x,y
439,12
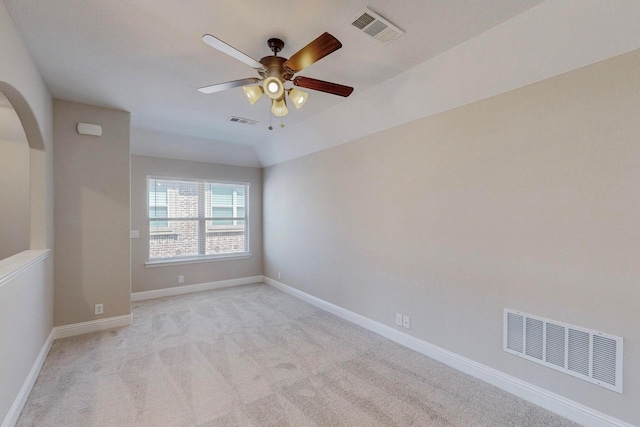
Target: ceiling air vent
x,y
376,26
242,121
583,353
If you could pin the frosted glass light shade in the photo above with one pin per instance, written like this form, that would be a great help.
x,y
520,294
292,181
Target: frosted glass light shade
x,y
279,107
298,97
273,87
253,93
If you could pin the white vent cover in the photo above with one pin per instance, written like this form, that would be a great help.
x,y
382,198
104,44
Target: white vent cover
x,y
583,353
376,26
242,121
89,129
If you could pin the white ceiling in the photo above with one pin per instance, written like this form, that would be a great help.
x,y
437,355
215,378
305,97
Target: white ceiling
x,y
147,57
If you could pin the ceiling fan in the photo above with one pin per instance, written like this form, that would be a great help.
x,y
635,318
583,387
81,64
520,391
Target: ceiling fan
x,y
275,70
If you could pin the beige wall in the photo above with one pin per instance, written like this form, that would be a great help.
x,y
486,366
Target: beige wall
x,y
92,255
529,200
26,301
150,278
14,197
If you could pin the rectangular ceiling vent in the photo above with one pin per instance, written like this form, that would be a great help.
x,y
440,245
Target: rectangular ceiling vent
x,y
376,26
583,353
243,121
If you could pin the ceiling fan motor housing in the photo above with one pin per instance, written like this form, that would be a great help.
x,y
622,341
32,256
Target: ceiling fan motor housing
x,y
273,64
273,67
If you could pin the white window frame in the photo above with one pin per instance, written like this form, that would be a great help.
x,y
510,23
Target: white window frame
x,y
202,223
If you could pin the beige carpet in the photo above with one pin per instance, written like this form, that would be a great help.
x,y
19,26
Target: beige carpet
x,y
254,356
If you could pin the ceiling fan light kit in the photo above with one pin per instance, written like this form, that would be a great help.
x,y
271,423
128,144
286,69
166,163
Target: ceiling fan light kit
x,y
276,71
279,107
273,87
297,96
253,93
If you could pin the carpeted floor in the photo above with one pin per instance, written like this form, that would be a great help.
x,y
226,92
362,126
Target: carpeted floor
x,y
254,356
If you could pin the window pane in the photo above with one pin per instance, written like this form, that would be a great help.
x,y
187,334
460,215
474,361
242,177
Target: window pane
x,y
157,193
225,238
223,198
157,212
179,197
176,239
222,212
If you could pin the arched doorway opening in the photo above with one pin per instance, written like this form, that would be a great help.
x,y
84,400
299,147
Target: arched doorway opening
x,y
22,176
15,222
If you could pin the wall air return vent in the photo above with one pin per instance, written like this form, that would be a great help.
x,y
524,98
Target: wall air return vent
x,y
376,26
583,353
242,121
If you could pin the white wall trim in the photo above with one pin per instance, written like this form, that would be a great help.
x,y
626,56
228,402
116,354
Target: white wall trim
x,y
17,264
15,410
57,333
553,402
199,287
91,326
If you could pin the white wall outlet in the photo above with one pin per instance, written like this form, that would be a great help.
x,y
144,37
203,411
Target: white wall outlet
x,y
406,322
398,319
279,275
135,234
181,279
99,309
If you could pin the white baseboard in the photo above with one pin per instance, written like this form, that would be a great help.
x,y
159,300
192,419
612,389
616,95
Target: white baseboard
x,y
553,402
187,289
15,410
56,333
91,326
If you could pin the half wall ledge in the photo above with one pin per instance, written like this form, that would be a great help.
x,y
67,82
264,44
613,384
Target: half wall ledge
x,y
20,262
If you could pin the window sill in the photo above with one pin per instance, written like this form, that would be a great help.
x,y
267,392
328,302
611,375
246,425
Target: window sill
x,y
195,260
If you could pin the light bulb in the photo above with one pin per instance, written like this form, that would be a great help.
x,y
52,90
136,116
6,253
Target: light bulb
x,y
273,87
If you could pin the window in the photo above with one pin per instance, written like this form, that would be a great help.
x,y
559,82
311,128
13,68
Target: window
x,y
196,219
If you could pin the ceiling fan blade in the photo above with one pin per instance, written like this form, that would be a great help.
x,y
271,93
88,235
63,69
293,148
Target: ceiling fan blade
x,y
314,51
322,86
231,51
228,85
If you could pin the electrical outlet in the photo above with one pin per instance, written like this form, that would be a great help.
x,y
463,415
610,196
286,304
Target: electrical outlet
x,y
99,309
398,319
181,279
406,322
279,275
